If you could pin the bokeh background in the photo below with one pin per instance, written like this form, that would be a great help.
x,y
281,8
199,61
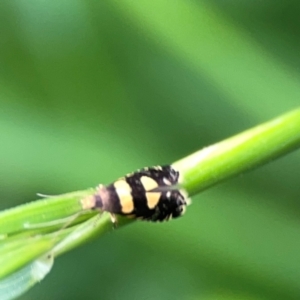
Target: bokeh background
x,y
90,90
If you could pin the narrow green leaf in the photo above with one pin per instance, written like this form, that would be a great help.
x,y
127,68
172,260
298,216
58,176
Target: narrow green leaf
x,y
19,282
41,213
21,253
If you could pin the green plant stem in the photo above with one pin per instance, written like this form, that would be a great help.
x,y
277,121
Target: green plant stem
x,y
45,219
239,153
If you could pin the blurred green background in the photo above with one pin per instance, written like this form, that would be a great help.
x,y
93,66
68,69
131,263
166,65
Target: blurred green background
x,y
91,89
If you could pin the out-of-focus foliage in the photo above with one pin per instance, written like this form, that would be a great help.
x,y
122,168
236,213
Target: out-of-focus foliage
x,y
90,90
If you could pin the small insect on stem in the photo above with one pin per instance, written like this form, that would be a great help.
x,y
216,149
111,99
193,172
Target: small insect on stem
x,y
150,194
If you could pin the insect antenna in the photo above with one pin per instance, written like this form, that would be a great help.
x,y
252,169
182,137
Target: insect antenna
x,y
164,188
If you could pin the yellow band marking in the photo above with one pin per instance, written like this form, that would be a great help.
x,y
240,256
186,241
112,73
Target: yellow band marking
x,y
152,199
124,192
148,183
